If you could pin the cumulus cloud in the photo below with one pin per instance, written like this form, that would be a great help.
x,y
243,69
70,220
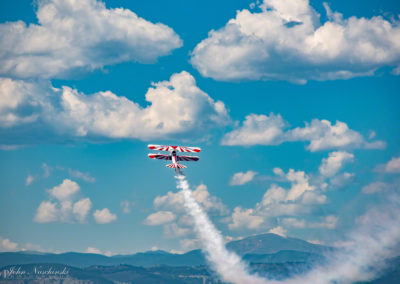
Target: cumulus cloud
x,y
285,40
245,219
65,191
176,108
81,209
64,205
160,218
80,36
7,245
393,166
46,212
174,202
297,199
336,160
257,129
104,216
242,177
321,134
172,216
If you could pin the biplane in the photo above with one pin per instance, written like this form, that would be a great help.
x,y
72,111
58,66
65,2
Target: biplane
x,y
173,156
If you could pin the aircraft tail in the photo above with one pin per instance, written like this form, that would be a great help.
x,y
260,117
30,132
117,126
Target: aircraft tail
x,y
174,166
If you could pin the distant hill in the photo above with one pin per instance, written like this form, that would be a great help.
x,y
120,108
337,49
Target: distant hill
x,y
265,248
271,243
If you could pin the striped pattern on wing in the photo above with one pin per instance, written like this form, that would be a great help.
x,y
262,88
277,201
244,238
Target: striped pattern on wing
x,y
177,148
160,157
187,158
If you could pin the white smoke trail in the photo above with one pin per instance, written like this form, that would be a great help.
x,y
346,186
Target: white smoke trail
x,y
227,264
374,241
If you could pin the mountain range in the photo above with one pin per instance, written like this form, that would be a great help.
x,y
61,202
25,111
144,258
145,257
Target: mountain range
x,y
264,248
269,255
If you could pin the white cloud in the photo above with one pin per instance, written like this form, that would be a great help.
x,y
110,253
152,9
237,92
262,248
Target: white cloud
x,y
65,191
257,130
97,251
278,171
29,179
93,250
241,178
160,218
171,213
336,160
294,223
300,184
63,206
7,245
104,216
287,41
376,187
278,231
173,230
298,199
321,134
174,202
341,180
245,219
81,209
393,166
80,36
46,212
176,108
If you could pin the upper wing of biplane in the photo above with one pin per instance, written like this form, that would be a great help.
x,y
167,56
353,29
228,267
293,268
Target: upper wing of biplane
x,y
159,156
187,158
177,148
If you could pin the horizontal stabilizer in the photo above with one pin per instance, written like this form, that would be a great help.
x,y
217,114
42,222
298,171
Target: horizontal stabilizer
x,y
174,166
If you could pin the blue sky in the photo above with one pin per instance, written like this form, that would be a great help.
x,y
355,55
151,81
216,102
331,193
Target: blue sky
x,y
307,119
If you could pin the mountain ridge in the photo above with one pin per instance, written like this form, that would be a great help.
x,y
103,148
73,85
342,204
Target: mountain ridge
x,y
258,248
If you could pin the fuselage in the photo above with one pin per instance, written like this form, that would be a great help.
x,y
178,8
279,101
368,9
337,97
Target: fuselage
x,y
173,157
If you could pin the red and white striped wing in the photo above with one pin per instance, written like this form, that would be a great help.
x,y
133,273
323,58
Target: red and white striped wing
x,y
188,158
188,149
160,157
177,148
